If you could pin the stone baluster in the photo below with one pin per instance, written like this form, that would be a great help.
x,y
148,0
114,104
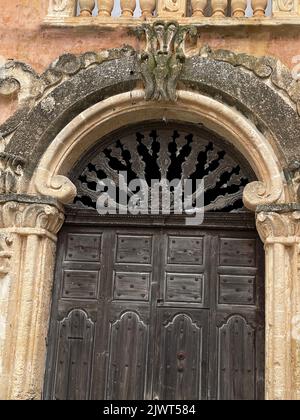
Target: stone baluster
x,y
128,7
105,7
259,8
198,7
238,8
219,8
86,7
148,7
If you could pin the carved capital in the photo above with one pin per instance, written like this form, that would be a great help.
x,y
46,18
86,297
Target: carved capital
x,y
281,227
31,217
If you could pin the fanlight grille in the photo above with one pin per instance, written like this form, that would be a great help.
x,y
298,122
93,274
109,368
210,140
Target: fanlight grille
x,y
167,153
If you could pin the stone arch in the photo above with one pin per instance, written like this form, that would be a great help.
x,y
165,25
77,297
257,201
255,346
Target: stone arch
x,y
244,101
50,177
204,79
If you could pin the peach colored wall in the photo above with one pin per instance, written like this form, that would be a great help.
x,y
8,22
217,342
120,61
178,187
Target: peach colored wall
x,y
23,37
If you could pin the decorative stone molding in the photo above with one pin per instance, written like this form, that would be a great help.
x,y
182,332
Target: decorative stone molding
x,y
6,242
11,171
82,134
171,8
62,8
64,13
279,228
28,227
258,193
294,171
20,79
263,67
58,186
159,76
163,59
285,8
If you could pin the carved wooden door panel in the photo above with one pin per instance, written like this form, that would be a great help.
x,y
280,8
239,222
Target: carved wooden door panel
x,y
162,312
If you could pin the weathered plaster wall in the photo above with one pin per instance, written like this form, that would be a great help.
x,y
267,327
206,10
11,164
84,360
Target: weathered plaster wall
x,y
24,37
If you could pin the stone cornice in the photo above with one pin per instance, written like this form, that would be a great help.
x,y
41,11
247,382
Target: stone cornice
x,y
207,22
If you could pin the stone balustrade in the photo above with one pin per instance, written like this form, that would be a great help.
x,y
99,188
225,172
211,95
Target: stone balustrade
x,y
232,11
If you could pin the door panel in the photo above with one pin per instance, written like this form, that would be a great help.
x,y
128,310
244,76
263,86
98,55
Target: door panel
x,y
181,357
236,360
161,312
128,342
74,357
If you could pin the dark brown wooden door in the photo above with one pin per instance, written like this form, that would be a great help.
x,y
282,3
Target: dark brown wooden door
x,y
155,310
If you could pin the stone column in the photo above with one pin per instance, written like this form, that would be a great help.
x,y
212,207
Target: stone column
x,y
28,228
279,228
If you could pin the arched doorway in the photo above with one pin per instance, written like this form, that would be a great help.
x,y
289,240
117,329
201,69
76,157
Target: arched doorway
x,y
146,307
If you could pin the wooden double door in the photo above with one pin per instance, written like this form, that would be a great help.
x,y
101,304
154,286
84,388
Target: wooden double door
x,y
152,309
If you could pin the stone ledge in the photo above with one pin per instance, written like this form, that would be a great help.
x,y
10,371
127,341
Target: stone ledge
x,y
279,208
96,22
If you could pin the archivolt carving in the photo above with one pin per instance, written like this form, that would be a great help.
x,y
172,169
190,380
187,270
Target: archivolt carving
x,y
161,66
263,67
11,171
294,169
19,78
